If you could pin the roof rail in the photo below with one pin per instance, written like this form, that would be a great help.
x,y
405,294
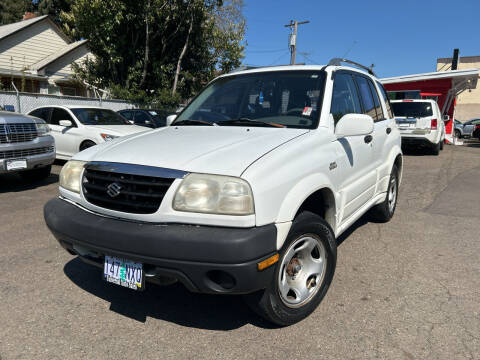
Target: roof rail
x,y
339,61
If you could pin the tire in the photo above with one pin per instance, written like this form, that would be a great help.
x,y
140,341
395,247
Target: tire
x,y
36,174
436,149
310,247
458,134
441,144
384,212
86,144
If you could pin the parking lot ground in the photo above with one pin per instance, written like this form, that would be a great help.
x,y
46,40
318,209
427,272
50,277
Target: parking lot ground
x,y
408,289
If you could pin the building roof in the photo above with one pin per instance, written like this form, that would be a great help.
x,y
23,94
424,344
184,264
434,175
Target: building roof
x,y
453,74
9,29
464,58
57,55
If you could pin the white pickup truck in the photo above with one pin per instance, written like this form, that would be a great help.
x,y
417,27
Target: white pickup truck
x,y
245,193
421,123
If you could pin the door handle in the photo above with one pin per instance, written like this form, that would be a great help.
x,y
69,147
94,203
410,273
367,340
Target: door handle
x,y
389,130
368,139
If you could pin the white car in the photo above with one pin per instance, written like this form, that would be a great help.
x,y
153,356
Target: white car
x,y
421,123
245,193
76,128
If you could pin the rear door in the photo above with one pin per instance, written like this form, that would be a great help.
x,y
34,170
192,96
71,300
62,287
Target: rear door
x,y
413,117
355,163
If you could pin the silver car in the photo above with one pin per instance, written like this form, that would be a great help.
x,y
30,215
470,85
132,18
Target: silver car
x,y
26,146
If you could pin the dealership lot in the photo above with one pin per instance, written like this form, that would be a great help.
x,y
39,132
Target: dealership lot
x,y
407,289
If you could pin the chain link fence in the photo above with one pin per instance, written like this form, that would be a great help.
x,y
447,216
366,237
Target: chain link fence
x,y
25,102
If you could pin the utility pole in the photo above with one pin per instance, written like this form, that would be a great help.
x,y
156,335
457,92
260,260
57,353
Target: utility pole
x,y
293,38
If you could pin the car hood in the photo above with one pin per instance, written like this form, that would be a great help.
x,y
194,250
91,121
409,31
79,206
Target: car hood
x,y
118,130
206,149
7,117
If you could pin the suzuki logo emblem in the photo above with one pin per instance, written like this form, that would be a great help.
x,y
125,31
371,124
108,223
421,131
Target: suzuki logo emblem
x,y
113,190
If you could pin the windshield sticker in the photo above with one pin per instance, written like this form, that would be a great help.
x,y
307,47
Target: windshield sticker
x,y
260,98
307,111
314,76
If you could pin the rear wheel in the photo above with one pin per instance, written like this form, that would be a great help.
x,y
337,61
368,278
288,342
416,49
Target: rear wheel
x,y
86,144
441,144
302,275
436,149
458,134
384,212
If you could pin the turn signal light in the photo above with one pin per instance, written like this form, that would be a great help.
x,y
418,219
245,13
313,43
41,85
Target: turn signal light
x,y
267,262
434,124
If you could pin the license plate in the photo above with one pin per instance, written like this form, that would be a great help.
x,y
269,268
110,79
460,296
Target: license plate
x,y
123,272
16,164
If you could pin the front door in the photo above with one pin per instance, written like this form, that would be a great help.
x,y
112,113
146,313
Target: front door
x,y
355,153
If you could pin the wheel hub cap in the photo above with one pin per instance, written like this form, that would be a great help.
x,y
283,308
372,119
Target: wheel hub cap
x,y
302,271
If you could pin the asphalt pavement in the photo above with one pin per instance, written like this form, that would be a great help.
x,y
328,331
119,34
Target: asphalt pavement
x,y
408,289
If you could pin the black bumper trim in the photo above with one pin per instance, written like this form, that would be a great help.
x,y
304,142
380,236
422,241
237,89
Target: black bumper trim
x,y
416,141
188,252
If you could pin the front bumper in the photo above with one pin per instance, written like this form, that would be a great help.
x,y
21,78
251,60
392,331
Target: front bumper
x,y
23,150
205,259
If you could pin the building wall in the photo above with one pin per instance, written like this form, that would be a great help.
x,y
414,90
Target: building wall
x,y
62,67
468,102
25,48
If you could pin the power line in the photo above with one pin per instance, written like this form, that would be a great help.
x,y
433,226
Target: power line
x,y
293,37
273,63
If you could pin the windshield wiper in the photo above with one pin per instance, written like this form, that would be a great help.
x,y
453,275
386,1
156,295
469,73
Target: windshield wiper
x,y
247,121
193,122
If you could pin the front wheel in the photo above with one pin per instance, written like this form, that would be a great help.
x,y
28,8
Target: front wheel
x,y
302,275
36,174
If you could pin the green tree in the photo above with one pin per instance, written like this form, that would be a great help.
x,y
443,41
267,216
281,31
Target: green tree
x,y
157,50
13,10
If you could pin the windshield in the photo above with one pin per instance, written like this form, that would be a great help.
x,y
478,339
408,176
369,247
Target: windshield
x,y
99,117
279,99
412,109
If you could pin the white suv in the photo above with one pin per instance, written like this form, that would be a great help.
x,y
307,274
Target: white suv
x,y
76,128
245,193
420,123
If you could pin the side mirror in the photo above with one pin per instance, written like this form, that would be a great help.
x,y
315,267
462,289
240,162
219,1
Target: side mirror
x,y
171,119
446,117
354,125
65,123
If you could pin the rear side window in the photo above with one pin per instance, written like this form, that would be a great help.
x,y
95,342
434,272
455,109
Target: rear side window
x,y
42,113
367,98
376,100
345,98
386,99
412,109
141,118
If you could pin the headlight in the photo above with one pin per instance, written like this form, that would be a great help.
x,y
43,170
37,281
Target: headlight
x,y
214,194
108,137
70,175
42,128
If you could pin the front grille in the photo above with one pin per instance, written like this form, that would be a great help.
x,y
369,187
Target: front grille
x,y
15,133
13,154
138,194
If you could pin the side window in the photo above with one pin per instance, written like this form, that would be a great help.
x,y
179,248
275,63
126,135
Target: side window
x,y
386,99
367,98
60,114
345,97
127,115
140,118
42,113
376,100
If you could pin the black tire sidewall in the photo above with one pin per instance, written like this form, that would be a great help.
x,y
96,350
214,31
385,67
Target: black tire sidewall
x,y
278,312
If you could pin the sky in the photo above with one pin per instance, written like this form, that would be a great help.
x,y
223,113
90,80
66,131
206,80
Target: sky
x,y
399,37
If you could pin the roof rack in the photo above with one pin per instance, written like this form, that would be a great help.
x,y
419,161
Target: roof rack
x,y
339,61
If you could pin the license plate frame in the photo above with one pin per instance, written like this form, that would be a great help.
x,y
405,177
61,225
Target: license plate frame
x,y
16,164
124,272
